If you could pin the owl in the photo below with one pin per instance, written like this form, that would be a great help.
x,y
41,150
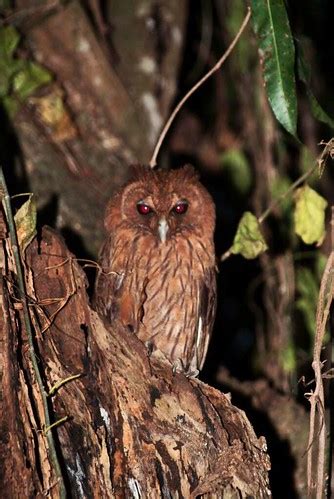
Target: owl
x,y
157,267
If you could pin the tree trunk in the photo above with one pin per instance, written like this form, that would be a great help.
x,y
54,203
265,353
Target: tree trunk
x,y
134,428
113,102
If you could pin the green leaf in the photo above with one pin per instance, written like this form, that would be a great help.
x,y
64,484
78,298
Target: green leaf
x,y
288,358
236,167
309,215
248,241
320,264
6,4
29,79
307,286
304,75
243,55
7,71
11,105
317,110
9,39
25,221
277,52
279,186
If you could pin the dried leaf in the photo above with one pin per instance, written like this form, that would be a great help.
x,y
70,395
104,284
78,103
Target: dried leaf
x,y
25,221
52,110
248,241
309,215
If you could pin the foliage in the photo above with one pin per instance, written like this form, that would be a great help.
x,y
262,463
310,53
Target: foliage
x,y
304,74
277,53
248,241
19,78
237,169
25,222
309,215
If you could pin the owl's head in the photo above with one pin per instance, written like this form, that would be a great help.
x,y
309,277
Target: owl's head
x,y
164,203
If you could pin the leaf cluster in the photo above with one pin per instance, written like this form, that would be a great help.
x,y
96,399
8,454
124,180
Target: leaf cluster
x,y
19,78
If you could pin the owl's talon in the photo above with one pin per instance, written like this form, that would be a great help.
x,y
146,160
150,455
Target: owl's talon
x,y
192,373
178,366
150,347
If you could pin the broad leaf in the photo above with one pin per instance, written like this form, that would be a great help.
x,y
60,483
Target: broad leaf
x,y
25,221
288,358
307,286
237,168
305,77
31,77
9,39
309,215
277,52
248,241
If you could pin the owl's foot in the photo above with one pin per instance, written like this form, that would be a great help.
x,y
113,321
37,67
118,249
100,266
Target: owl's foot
x,y
192,373
179,367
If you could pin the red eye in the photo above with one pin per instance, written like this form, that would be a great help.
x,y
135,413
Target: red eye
x,y
143,209
181,207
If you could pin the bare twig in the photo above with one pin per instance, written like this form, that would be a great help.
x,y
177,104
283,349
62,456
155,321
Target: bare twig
x,y
316,464
319,164
217,66
62,382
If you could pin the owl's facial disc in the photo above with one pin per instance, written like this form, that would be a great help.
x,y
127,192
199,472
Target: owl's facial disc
x,y
162,215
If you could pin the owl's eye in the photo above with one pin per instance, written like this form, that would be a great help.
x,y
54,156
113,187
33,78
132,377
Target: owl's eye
x,y
180,208
143,208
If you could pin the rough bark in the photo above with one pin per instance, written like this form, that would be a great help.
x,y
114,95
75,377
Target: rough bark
x,y
134,428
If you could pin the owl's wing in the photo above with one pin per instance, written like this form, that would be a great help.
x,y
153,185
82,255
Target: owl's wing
x,y
111,299
105,280
207,302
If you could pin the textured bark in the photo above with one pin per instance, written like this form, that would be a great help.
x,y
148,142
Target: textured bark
x,y
114,106
135,429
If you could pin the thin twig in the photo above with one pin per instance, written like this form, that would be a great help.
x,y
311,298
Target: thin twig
x,y
5,198
221,61
319,164
317,398
55,424
287,193
62,382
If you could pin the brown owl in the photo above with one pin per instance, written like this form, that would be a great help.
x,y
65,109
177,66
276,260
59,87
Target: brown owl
x,y
158,264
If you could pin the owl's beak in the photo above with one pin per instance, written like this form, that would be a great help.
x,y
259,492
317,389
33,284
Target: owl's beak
x,y
163,229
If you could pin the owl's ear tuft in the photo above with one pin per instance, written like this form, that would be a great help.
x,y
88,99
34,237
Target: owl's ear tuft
x,y
188,172
137,171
